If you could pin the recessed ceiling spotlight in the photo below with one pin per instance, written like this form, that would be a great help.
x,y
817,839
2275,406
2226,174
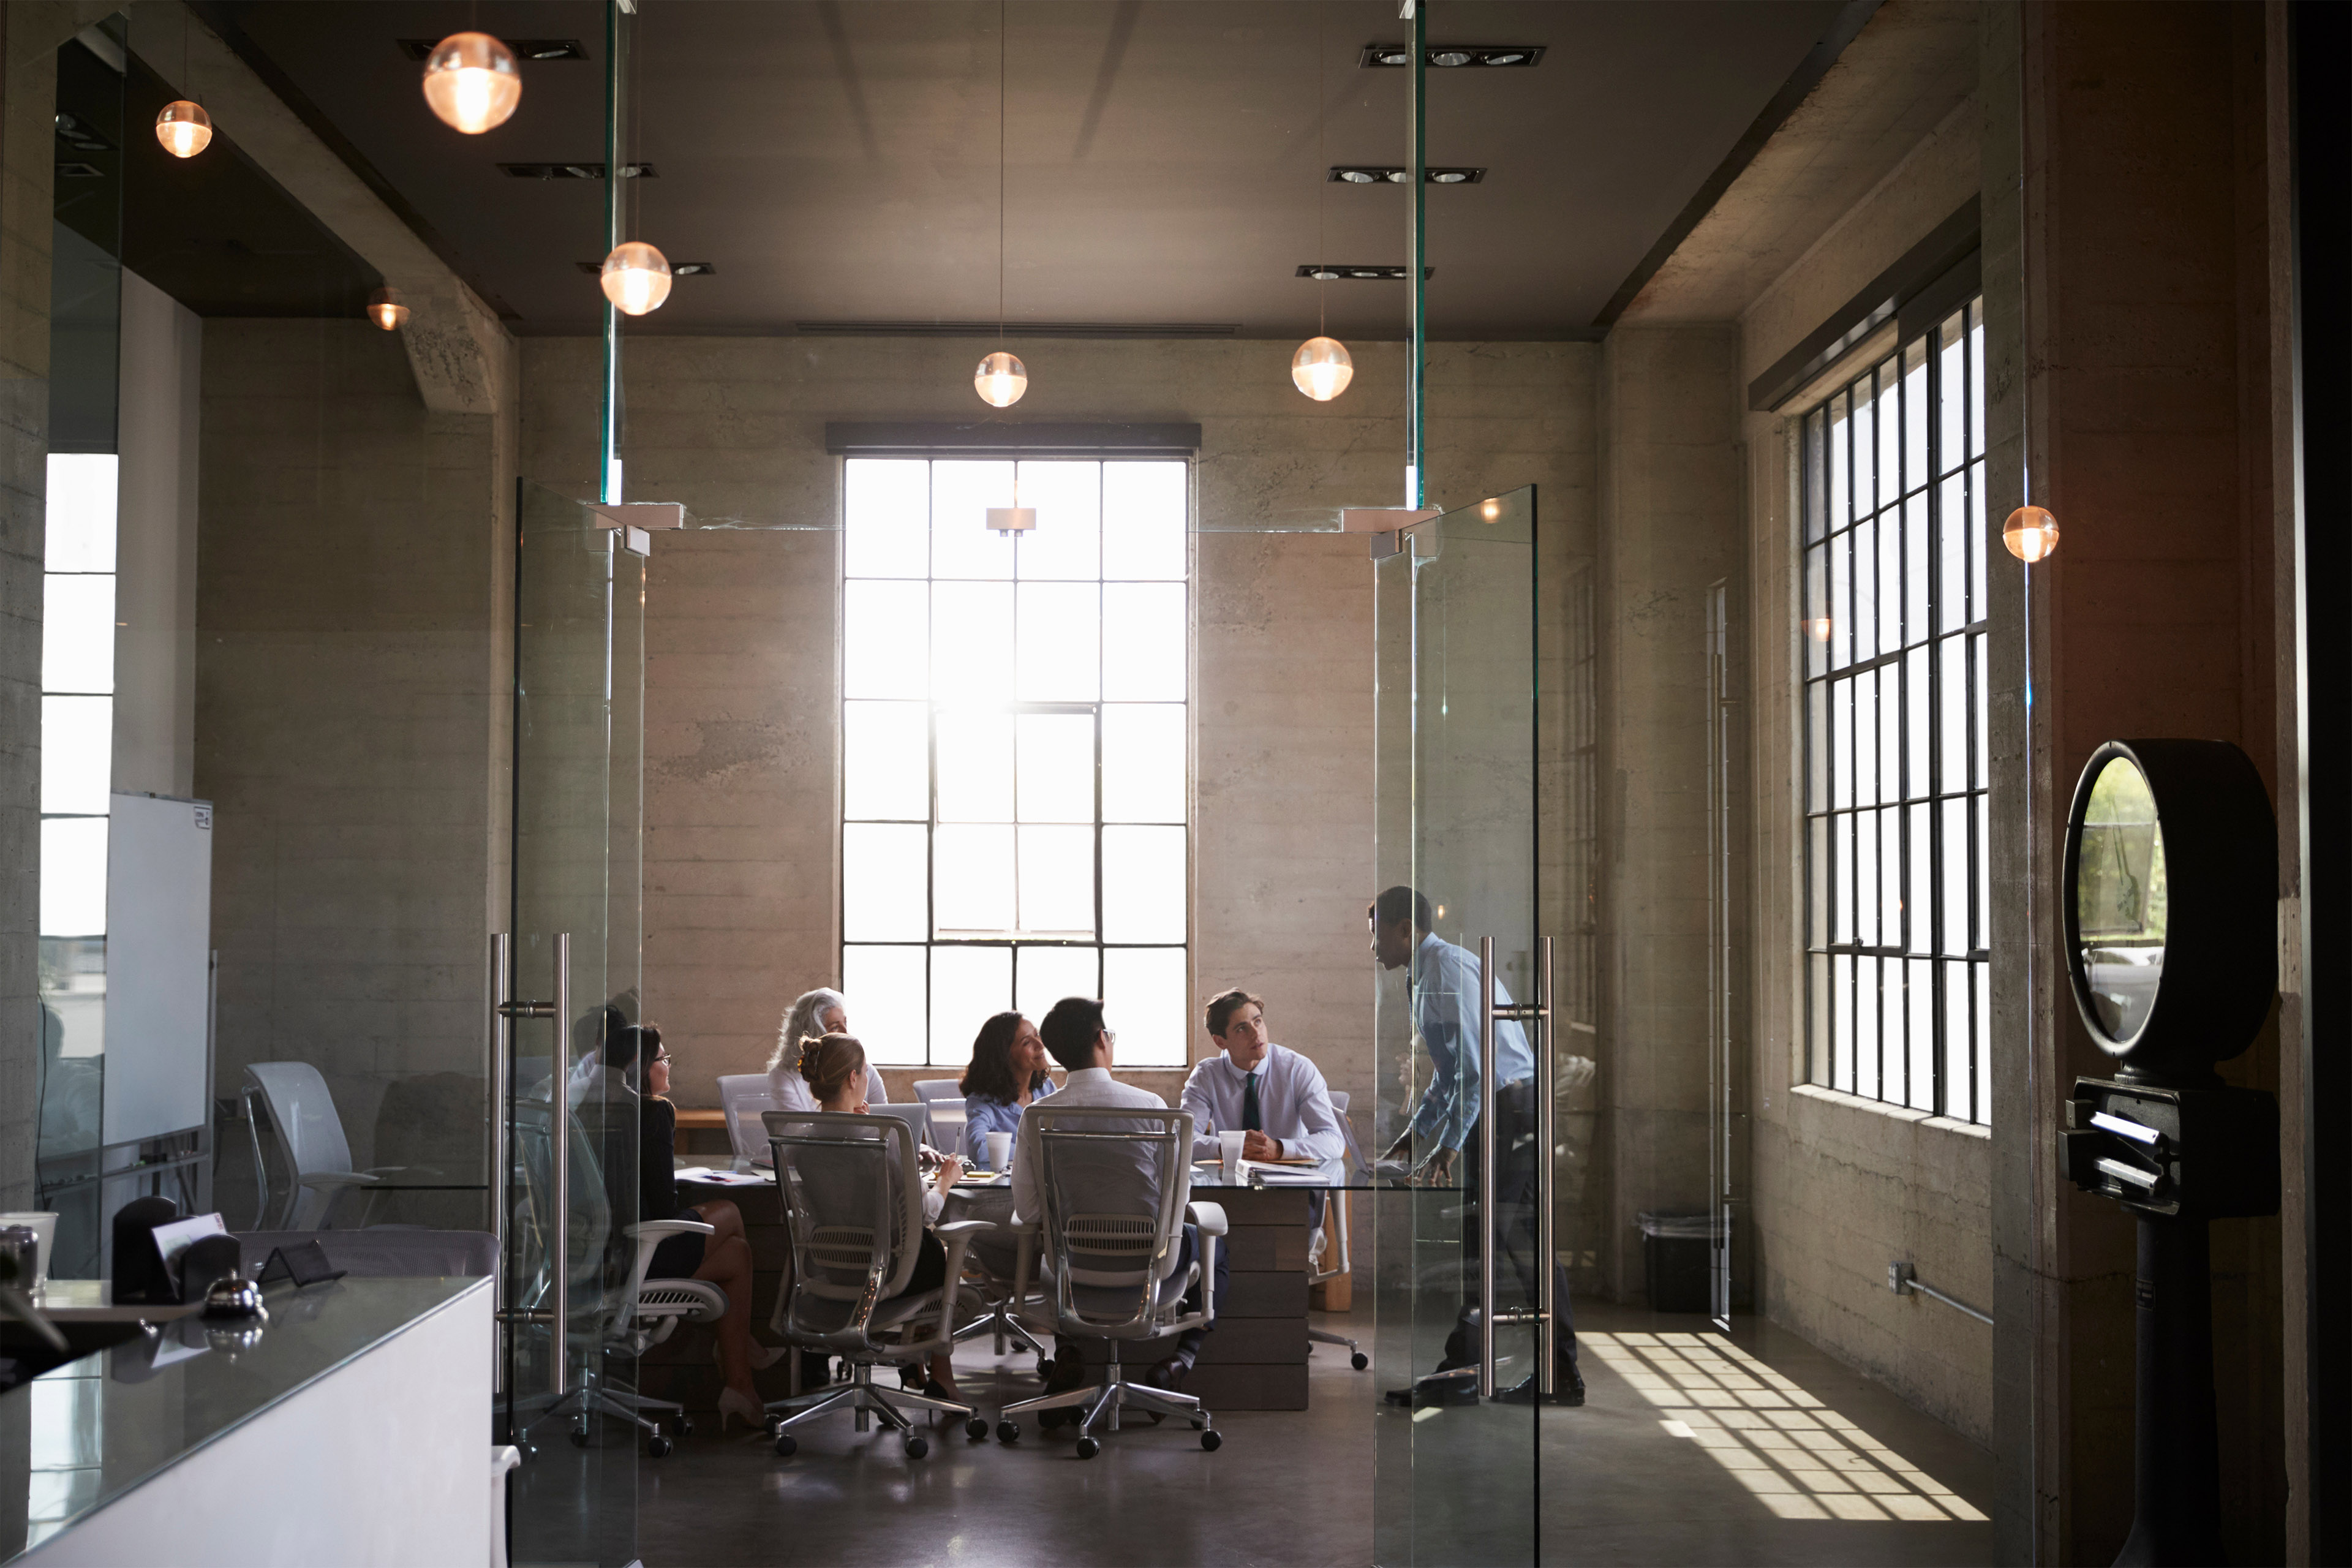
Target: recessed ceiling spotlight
x,y
1450,57
421,49
1333,271
1391,175
574,170
79,136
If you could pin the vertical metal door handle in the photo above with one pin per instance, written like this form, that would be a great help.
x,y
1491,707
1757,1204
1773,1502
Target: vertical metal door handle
x,y
1547,1259
494,1180
1486,1167
559,1124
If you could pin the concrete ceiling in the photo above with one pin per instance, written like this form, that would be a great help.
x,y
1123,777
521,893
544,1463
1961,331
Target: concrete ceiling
x,y
1163,163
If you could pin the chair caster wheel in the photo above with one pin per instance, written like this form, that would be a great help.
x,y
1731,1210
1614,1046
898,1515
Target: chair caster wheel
x,y
657,1446
786,1445
1089,1448
579,1435
976,1428
1045,1366
1360,1361
1008,1431
917,1446
1213,1440
684,1427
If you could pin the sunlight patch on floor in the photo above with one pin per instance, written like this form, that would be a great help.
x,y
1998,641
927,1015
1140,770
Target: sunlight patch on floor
x,y
1801,1459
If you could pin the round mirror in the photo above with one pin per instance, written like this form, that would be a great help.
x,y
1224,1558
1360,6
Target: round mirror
x,y
2170,902
2120,896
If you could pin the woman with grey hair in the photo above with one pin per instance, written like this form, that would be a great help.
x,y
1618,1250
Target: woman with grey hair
x,y
814,1013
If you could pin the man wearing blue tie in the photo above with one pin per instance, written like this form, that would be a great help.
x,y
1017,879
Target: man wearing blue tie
x,y
1445,980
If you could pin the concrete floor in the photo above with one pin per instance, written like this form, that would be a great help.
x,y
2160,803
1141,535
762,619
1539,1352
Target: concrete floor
x,y
1690,1450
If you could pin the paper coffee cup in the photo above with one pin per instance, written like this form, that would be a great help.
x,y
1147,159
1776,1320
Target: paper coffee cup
x,y
1230,1145
1000,1150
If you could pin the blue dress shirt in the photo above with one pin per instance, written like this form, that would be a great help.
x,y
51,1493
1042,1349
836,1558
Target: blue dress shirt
x,y
982,1116
1445,1006
1294,1104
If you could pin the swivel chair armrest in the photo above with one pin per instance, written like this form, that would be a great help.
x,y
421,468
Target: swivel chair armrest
x,y
1210,1218
962,1227
662,1228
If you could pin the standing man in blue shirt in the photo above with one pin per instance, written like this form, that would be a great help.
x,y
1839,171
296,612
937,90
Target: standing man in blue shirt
x,y
1444,982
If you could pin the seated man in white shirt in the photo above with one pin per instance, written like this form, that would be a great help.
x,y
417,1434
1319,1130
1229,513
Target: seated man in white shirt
x,y
1077,1036
1270,1092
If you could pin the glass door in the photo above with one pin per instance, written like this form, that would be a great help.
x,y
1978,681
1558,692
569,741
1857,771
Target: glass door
x,y
568,986
1461,1044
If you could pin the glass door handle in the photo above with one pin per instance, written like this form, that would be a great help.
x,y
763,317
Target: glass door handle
x,y
1547,1259
501,1048
503,1012
1488,1172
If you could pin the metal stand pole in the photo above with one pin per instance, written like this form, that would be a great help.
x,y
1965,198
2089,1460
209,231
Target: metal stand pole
x,y
2175,1447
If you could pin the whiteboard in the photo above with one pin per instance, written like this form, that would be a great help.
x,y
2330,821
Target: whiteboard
x,y
158,928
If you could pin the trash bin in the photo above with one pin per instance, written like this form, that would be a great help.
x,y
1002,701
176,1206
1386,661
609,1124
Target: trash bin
x,y
1674,1246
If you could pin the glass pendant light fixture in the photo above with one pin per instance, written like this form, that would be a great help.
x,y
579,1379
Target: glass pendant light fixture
x,y
384,309
1322,367
2031,533
636,277
183,128
472,82
1002,378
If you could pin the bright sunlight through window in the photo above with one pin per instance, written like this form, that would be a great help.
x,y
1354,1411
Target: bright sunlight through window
x,y
1801,1459
1013,776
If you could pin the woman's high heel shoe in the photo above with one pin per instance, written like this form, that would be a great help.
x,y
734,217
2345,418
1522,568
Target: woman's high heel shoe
x,y
734,1406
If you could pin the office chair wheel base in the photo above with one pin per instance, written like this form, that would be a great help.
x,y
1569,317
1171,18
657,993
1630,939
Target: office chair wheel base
x,y
684,1427
1008,1431
786,1445
1213,1440
1089,1448
976,1428
917,1446
657,1446
1360,1361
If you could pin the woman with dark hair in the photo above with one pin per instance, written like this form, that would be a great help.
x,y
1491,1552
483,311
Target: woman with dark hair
x,y
723,1258
834,1067
1007,1075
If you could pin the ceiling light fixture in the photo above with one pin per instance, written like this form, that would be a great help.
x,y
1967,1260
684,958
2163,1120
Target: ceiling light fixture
x,y
677,269
384,309
472,82
580,171
421,49
183,128
1331,271
1002,378
1395,175
1451,57
1322,367
2031,533
635,278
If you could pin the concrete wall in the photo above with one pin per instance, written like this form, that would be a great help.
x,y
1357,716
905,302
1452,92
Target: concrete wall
x,y
156,548
348,685
1842,1185
741,683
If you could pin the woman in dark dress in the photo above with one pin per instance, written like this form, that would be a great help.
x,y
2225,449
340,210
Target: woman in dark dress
x,y
723,1258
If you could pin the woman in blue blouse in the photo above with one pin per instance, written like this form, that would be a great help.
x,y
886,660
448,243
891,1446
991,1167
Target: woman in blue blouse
x,y
1007,1074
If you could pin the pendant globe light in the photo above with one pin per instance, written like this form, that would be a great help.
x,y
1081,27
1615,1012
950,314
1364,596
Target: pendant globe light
x,y
1322,367
384,309
183,128
1002,378
636,277
472,81
2031,533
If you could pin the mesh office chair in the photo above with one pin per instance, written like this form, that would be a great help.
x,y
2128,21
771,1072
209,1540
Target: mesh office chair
x,y
1320,1248
1115,1181
928,1090
318,1156
852,1199
744,1098
613,1309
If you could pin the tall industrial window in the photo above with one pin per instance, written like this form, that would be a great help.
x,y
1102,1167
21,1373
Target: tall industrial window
x,y
1894,527
1015,754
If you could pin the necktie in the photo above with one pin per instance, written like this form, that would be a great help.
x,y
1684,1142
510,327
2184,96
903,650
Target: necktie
x,y
1252,1122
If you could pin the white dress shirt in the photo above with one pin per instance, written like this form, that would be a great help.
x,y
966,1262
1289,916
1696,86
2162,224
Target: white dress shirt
x,y
1088,1086
1294,1104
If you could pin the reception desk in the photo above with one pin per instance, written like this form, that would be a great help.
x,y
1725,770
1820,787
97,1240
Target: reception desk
x,y
349,1430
